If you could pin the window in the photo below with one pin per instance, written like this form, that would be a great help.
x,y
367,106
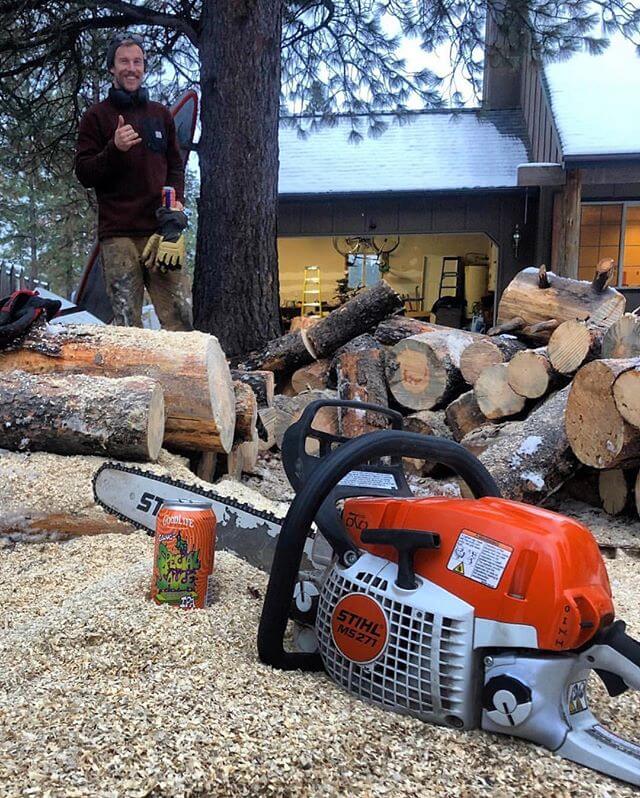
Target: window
x,y
363,270
611,230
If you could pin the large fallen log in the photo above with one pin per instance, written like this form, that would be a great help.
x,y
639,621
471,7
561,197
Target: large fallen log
x,y
77,414
573,343
423,371
397,328
565,299
359,367
534,457
463,415
190,367
598,433
622,339
496,399
488,352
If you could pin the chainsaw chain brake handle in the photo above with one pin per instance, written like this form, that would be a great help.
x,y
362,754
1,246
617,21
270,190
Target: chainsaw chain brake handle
x,y
369,480
312,494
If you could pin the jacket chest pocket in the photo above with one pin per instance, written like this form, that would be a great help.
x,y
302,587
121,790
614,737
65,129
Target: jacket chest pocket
x,y
155,134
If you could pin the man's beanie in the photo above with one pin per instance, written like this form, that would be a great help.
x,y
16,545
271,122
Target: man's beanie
x,y
119,39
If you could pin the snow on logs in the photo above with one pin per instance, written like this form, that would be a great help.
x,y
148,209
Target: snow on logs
x,y
190,367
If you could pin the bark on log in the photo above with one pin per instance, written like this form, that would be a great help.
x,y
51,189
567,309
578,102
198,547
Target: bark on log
x,y
599,435
360,377
359,315
564,300
479,439
604,272
496,399
534,457
488,352
397,328
290,408
626,393
262,383
425,422
266,427
242,459
423,371
246,413
615,488
77,414
190,367
312,377
622,339
463,415
531,374
537,334
572,344
284,354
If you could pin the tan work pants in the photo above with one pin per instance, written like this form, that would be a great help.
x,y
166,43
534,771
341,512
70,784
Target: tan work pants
x,y
125,280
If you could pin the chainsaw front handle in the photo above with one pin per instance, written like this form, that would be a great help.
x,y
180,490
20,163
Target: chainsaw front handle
x,y
303,509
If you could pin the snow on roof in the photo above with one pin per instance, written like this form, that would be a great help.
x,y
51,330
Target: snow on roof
x,y
435,151
594,99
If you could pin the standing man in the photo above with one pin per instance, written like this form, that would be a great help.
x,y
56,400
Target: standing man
x,y
127,151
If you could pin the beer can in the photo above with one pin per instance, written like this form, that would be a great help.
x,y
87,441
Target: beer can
x,y
168,197
184,553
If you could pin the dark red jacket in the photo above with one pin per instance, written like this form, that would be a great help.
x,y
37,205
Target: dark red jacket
x,y
128,184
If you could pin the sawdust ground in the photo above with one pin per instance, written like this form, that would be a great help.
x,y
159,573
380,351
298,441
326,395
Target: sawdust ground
x,y
103,693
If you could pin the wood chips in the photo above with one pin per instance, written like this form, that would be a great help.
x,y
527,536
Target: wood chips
x,y
102,693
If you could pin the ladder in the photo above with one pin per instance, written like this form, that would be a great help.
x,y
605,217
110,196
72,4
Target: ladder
x,y
452,278
311,298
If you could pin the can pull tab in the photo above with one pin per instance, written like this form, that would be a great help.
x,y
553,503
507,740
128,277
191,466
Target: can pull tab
x,y
406,542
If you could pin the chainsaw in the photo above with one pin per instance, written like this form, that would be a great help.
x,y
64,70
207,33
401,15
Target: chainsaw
x,y
467,613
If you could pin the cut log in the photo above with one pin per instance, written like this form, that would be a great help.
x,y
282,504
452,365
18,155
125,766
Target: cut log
x,y
531,374
604,273
262,383
423,371
572,344
357,316
312,377
480,438
246,412
534,457
242,459
622,339
564,300
425,422
615,487
77,414
463,415
537,334
626,393
599,435
190,367
360,377
512,325
284,354
397,328
496,398
266,426
290,408
488,352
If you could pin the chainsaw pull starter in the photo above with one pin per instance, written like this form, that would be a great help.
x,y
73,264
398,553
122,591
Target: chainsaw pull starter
x,y
406,542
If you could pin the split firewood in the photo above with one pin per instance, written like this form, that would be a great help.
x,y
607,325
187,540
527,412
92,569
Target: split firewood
x,y
397,328
262,383
534,457
315,376
572,344
357,316
246,412
359,367
463,415
622,339
626,393
290,408
425,422
531,374
480,438
77,414
496,398
266,426
598,433
423,371
615,488
190,367
488,352
564,299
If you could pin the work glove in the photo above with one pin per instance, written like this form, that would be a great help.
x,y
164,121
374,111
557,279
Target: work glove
x,y
165,249
150,251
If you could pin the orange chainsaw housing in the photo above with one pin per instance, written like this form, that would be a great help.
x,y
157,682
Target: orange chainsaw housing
x,y
550,573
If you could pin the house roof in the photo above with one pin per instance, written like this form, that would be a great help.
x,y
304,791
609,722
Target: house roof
x,y
594,99
435,151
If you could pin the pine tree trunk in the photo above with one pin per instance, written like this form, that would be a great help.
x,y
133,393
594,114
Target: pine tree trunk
x,y
235,289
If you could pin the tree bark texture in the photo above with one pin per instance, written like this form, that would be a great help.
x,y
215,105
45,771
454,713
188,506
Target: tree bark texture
x,y
76,414
262,383
190,367
283,355
235,288
396,328
360,377
246,413
564,300
463,415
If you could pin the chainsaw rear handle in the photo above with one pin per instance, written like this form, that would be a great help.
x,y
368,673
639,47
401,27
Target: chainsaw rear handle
x,y
615,657
303,509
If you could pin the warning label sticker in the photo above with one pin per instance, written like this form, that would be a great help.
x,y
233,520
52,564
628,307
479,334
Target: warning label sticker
x,y
577,697
479,558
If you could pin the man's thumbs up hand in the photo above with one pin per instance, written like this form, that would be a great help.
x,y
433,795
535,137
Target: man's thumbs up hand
x,y
125,136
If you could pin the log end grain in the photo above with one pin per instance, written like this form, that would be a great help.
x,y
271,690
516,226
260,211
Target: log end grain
x,y
495,397
569,346
529,373
626,393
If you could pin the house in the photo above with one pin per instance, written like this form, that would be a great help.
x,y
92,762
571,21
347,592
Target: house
x,y
547,170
